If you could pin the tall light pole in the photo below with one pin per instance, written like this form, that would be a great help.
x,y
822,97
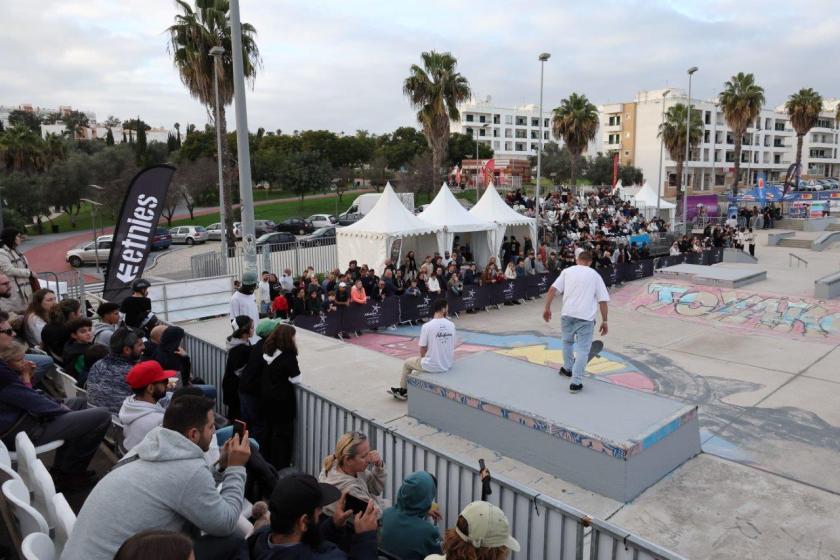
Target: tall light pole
x,y
691,72
542,58
217,52
246,193
661,144
93,205
482,127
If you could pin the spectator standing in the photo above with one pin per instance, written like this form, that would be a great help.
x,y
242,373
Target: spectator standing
x,y
749,238
437,349
287,283
109,320
137,308
37,314
298,304
170,355
510,271
15,266
243,302
358,294
482,532
314,303
165,483
238,353
356,469
583,292
265,293
406,533
433,285
250,382
279,405
106,381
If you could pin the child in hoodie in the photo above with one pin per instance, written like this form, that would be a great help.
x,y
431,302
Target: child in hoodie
x,y
109,320
405,532
81,338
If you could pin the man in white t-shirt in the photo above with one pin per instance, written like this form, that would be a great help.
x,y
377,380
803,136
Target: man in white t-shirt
x,y
437,350
584,292
243,302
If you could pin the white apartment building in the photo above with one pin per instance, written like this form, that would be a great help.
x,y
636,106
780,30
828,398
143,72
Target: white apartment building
x,y
512,132
40,111
769,147
100,131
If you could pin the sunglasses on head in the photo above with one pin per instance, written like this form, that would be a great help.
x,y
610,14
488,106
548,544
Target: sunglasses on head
x,y
9,332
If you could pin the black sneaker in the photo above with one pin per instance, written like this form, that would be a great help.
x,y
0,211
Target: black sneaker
x,y
399,393
575,387
564,371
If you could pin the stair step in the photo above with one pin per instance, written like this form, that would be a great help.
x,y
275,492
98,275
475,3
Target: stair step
x,y
796,243
833,227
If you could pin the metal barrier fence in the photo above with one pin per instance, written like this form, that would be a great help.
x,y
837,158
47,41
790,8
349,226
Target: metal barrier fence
x,y
545,527
275,258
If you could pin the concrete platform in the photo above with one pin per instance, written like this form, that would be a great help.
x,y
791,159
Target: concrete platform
x,y
726,277
607,439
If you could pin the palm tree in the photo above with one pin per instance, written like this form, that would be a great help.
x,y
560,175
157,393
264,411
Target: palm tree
x,y
741,101
672,132
22,150
194,33
576,122
55,149
804,108
435,91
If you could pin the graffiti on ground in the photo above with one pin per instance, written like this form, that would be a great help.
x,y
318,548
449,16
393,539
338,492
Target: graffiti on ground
x,y
772,313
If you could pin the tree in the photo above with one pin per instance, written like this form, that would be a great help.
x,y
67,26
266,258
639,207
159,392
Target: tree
x,y
123,138
178,133
378,171
22,150
629,175
420,175
66,183
194,182
599,171
576,122
26,119
140,146
23,194
304,172
113,168
400,146
557,163
462,146
804,108
109,138
672,132
741,101
55,149
194,33
75,122
112,122
435,90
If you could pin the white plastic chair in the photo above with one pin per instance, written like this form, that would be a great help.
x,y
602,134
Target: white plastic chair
x,y
43,491
6,463
68,384
26,453
28,519
38,546
64,522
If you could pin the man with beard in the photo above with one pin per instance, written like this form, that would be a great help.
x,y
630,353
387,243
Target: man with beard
x,y
164,483
142,411
295,532
106,384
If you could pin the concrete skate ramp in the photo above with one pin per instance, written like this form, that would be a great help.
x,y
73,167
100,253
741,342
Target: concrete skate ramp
x,y
724,276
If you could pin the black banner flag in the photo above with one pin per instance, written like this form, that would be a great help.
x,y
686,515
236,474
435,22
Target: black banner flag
x,y
135,229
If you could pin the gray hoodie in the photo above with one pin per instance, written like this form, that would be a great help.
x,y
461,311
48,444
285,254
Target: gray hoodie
x,y
102,333
168,487
139,418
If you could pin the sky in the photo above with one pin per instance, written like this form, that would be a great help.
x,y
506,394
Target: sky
x,y
340,65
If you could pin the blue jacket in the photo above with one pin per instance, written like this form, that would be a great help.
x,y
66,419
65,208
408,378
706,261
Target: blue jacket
x,y
405,533
17,399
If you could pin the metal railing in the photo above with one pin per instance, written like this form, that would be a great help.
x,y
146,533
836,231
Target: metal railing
x,y
797,259
545,527
296,256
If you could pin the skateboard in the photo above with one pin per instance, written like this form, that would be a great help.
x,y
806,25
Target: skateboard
x,y
595,350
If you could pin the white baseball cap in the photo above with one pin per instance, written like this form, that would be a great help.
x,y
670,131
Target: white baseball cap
x,y
488,527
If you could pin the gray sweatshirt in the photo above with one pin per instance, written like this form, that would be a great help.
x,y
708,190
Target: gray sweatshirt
x,y
169,485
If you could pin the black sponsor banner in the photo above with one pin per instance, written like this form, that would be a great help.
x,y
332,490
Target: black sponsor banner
x,y
414,308
353,317
383,313
513,290
326,324
635,270
455,303
536,285
607,275
135,229
693,258
471,297
717,254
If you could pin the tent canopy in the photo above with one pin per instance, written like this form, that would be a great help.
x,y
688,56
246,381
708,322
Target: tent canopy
x,y
445,211
491,208
647,197
389,217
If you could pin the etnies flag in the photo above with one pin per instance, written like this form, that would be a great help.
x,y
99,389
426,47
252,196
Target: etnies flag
x,y
135,229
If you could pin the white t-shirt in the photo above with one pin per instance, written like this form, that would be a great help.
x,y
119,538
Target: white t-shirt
x,y
242,304
582,289
438,337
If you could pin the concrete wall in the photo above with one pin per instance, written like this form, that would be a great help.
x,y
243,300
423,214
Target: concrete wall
x,y
827,287
774,238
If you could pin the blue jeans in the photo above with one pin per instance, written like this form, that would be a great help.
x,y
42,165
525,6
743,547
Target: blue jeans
x,y
43,364
577,339
224,434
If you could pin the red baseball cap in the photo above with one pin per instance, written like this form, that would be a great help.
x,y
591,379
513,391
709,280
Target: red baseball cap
x,y
146,373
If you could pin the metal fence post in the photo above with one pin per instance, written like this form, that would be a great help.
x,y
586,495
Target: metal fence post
x,y
165,304
297,257
81,283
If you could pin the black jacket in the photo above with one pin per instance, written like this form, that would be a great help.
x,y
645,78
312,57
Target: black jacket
x,y
276,391
361,547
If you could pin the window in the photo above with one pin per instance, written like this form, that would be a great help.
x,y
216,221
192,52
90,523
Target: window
x,y
481,132
615,120
521,121
520,146
626,153
707,117
535,135
469,131
508,146
767,124
824,123
780,125
545,135
495,133
545,123
521,133
481,119
508,119
496,144
706,135
613,139
496,119
469,117
508,133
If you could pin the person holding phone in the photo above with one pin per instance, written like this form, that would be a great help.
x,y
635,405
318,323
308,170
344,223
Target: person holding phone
x,y
355,468
407,531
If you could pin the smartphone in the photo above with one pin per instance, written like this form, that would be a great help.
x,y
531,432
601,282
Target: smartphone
x,y
239,428
355,504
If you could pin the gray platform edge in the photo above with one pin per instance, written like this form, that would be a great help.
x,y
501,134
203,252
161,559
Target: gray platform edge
x,y
827,287
706,281
621,480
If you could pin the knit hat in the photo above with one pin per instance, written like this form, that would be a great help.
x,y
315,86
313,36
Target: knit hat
x,y
488,527
265,327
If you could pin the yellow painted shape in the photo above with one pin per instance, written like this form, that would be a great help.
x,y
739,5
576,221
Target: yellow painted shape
x,y
540,355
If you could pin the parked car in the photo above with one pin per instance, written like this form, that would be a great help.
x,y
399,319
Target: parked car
x,y
189,234
261,227
214,232
321,236
277,241
161,240
86,254
322,220
297,226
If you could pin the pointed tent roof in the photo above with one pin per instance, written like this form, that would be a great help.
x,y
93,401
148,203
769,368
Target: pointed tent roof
x,y
446,212
647,196
491,208
389,216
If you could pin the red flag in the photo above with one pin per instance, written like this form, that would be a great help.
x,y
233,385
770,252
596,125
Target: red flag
x,y
615,169
489,171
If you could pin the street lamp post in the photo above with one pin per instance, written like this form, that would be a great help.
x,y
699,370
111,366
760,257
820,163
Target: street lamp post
x,y
482,127
93,205
691,72
542,58
217,52
661,144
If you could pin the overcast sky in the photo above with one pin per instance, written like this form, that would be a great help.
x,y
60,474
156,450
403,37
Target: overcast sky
x,y
340,65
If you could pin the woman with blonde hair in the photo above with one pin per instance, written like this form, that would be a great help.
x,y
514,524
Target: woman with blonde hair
x,y
482,532
356,469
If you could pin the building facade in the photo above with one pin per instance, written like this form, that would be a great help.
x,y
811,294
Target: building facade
x,y
511,132
769,145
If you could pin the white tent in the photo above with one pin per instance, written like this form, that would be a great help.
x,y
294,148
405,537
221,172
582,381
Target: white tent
x,y
371,239
446,212
645,200
491,208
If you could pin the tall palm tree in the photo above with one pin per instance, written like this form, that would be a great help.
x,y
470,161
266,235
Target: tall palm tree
x,y
22,150
672,132
435,91
576,122
194,33
804,108
55,149
741,101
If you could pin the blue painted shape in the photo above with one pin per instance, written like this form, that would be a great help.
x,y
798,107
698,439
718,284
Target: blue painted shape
x,y
661,433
